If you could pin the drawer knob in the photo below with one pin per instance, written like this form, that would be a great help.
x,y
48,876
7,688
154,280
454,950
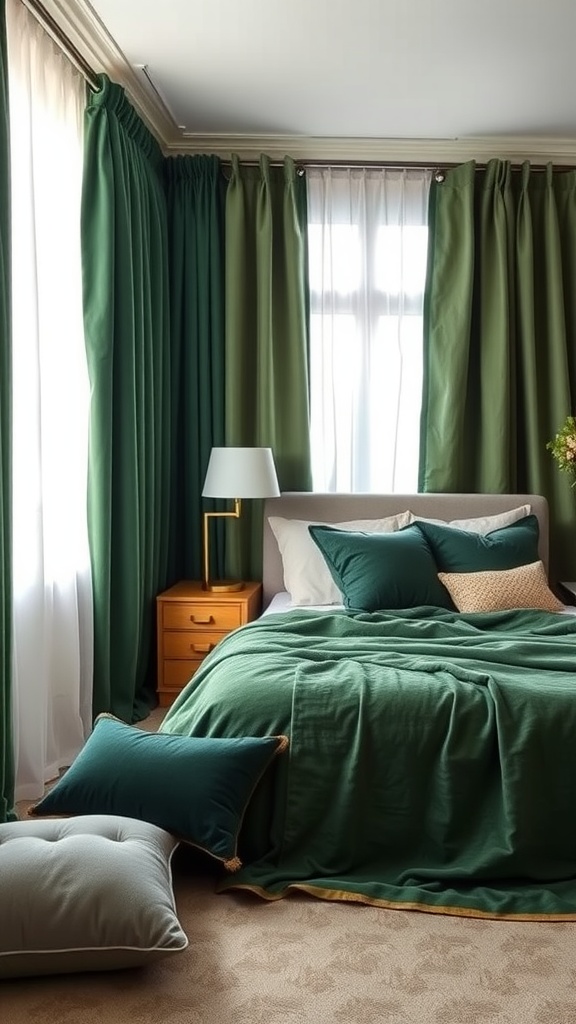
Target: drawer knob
x,y
202,648
202,621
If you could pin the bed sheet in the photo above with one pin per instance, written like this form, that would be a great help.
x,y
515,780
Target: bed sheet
x,y
281,603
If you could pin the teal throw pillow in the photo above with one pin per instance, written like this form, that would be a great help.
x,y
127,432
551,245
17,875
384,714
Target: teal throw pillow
x,y
197,788
376,571
461,551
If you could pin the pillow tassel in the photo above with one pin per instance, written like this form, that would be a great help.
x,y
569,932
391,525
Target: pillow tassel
x,y
234,863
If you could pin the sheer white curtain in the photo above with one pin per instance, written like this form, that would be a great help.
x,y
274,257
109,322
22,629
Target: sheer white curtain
x,y
367,247
52,672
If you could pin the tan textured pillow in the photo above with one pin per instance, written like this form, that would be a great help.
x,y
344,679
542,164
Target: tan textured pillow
x,y
524,587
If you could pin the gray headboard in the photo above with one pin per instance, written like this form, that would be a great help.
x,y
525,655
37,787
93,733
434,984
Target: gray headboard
x,y
334,508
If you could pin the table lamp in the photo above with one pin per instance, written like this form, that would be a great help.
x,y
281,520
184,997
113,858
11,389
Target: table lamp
x,y
235,473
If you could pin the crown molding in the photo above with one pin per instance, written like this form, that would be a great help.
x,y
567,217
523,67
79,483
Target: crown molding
x,y
89,35
80,23
435,152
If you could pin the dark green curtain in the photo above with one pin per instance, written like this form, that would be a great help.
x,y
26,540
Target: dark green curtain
x,y
195,189
500,338
267,394
6,748
126,311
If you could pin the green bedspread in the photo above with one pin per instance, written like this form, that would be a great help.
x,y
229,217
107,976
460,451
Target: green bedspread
x,y
432,759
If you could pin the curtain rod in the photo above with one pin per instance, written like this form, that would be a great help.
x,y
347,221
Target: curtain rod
x,y
438,170
38,11
420,165
346,165
349,165
392,165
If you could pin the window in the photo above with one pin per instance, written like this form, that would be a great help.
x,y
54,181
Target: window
x,y
367,253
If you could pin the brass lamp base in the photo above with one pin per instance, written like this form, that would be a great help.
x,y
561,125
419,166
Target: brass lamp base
x,y
223,586
218,586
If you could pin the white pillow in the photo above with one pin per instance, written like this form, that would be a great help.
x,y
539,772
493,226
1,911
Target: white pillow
x,y
483,524
306,575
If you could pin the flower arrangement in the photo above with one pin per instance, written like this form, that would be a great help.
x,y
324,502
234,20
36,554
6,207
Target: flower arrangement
x,y
563,447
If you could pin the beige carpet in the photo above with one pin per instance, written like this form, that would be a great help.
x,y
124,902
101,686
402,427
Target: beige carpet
x,y
304,961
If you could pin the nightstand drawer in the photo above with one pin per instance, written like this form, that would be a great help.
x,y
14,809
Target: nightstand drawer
x,y
201,616
178,673
187,645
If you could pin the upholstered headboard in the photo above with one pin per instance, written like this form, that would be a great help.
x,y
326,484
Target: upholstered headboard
x,y
334,508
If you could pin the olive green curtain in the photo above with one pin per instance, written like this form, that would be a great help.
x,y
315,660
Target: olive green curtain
x,y
195,190
267,393
126,310
6,746
500,338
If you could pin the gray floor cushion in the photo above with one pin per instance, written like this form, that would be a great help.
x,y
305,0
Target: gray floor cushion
x,y
85,894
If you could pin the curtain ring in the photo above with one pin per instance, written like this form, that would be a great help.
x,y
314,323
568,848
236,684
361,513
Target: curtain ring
x,y
439,177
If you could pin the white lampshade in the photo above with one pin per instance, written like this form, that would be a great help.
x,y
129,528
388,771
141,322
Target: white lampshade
x,y
241,473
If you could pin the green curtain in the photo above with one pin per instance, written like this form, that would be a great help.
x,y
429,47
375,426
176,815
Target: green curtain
x,y
267,393
195,189
126,312
500,338
6,747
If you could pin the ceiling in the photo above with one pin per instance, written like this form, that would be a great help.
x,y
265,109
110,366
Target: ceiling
x,y
363,70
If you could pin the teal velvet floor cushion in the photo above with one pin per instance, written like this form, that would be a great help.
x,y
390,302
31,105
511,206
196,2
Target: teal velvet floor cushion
x,y
194,787
91,893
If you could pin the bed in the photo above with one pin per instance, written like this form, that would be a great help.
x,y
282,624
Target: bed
x,y
432,755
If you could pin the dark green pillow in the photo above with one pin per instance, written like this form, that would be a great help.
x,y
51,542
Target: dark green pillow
x,y
194,787
461,551
375,571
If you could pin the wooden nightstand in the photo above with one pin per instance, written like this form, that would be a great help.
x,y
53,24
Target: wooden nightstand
x,y
191,621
